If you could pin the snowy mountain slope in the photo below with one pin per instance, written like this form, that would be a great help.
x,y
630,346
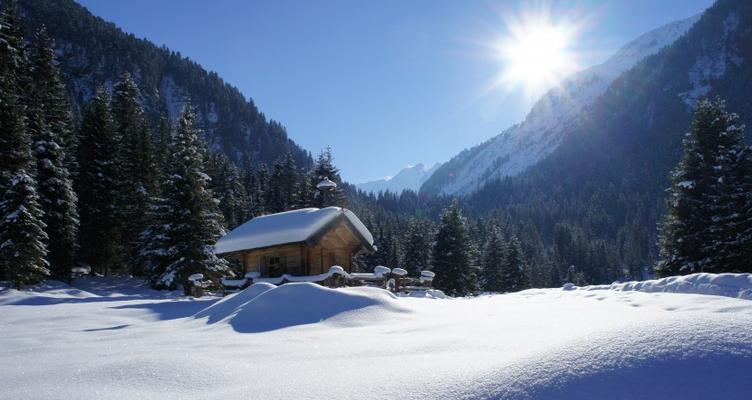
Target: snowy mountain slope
x,y
410,178
93,52
524,144
364,343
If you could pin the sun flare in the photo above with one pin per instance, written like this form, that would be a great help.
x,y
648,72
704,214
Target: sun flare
x,y
536,55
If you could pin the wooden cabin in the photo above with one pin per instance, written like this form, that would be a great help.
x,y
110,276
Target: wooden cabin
x,y
300,242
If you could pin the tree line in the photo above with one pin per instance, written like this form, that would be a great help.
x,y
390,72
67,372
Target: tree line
x,y
113,192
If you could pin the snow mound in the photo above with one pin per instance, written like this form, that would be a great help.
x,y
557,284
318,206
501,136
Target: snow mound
x,y
234,302
265,307
728,285
122,286
49,292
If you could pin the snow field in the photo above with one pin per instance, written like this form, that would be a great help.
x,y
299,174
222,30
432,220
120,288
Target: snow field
x,y
305,341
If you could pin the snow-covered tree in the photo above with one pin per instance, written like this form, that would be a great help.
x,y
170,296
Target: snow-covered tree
x,y
417,248
697,231
253,197
13,66
305,192
96,185
228,187
22,236
135,165
49,126
514,269
325,168
192,221
23,248
450,258
730,194
262,186
493,262
49,93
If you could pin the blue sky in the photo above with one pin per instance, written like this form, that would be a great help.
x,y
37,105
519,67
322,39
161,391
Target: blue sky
x,y
386,83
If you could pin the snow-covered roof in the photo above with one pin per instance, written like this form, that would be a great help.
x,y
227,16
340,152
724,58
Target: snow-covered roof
x,y
288,227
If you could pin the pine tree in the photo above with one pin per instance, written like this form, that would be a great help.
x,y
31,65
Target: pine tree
x,y
193,221
450,258
253,196
288,183
325,168
13,137
49,92
23,248
514,268
305,192
228,187
162,144
393,253
728,196
135,166
274,200
493,263
265,195
690,233
743,242
49,125
97,184
155,252
417,254
22,236
14,63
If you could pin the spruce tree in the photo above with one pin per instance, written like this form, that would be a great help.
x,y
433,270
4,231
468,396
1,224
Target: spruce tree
x,y
22,237
450,258
253,196
288,183
23,248
49,125
228,188
193,222
305,192
49,93
417,252
493,262
265,194
514,269
728,195
743,240
135,166
97,186
274,200
690,234
13,65
162,145
325,168
154,250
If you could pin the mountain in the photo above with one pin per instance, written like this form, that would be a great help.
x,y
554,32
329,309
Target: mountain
x,y
410,178
606,181
523,145
92,51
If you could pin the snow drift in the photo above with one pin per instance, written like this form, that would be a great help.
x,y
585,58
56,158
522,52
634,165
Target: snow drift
x,y
264,307
728,285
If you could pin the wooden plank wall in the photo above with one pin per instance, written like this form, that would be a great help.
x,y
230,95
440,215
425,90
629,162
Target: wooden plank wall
x,y
336,247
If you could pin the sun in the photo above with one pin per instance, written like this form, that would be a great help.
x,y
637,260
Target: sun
x,y
536,55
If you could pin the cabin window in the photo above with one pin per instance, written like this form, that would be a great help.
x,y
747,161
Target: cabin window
x,y
275,265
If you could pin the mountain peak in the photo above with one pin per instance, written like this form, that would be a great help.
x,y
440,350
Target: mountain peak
x,y
523,145
408,178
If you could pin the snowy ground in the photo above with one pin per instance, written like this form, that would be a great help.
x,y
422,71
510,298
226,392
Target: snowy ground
x,y
107,339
